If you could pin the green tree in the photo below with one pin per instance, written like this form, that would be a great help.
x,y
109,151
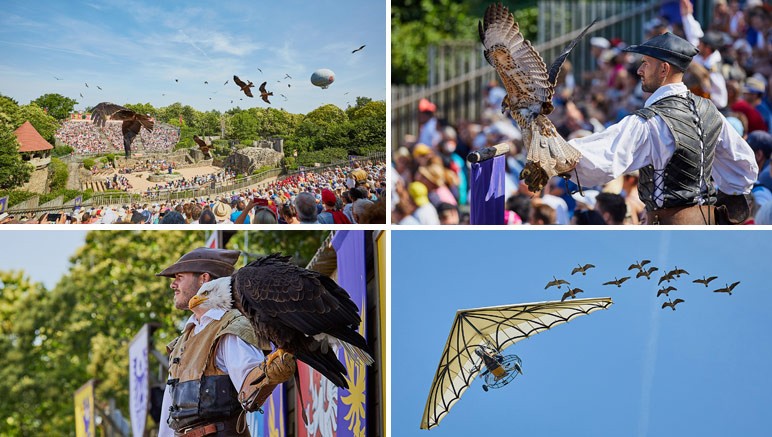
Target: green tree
x,y
243,127
14,172
58,106
45,124
57,175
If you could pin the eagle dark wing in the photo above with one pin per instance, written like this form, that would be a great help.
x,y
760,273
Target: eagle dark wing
x,y
201,145
290,305
110,111
238,81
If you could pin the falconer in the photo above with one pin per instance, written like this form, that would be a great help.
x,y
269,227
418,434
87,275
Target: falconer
x,y
694,167
213,364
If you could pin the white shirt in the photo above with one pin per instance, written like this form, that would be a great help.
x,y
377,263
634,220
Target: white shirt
x,y
234,357
634,143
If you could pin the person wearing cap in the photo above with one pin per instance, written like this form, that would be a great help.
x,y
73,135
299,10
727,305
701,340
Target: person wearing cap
x,y
753,93
425,213
427,121
331,214
218,353
684,148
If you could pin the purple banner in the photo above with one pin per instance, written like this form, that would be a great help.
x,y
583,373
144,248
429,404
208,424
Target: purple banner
x,y
350,249
487,202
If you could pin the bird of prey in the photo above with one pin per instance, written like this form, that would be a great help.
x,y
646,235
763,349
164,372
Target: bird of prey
x,y
264,93
556,282
678,272
639,265
582,268
226,83
100,88
132,121
666,277
259,70
705,281
202,146
289,86
345,93
81,95
287,76
666,291
617,282
285,97
360,48
206,82
176,80
571,293
298,310
646,273
672,304
86,84
57,78
727,289
529,87
244,86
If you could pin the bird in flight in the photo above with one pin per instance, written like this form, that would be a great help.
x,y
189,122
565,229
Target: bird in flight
x,y
646,273
556,282
705,281
571,293
244,86
132,121
202,146
582,268
100,88
672,304
360,48
285,97
259,70
666,291
287,76
678,272
639,265
226,83
667,277
57,78
617,282
206,82
727,289
264,93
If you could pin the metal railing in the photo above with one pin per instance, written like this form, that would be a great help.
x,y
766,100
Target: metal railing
x,y
459,72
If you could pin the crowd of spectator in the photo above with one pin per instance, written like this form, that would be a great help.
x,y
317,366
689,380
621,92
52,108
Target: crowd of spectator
x,y
734,69
88,139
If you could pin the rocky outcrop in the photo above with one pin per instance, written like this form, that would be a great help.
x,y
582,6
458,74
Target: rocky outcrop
x,y
249,159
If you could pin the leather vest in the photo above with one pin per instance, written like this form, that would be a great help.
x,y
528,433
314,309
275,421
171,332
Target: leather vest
x,y
201,393
695,124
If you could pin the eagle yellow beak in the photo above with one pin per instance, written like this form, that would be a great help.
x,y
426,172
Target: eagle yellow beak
x,y
196,301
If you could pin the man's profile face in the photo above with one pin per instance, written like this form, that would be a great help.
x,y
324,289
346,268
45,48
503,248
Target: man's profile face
x,y
185,286
652,74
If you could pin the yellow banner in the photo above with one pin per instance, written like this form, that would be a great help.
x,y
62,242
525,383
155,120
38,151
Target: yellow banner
x,y
84,411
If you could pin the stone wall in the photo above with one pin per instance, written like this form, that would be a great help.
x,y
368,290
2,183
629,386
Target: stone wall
x,y
250,159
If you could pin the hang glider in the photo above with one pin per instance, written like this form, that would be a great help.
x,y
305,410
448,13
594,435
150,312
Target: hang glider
x,y
488,331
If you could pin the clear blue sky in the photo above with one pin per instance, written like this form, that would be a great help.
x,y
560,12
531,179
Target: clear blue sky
x,y
134,51
632,370
44,256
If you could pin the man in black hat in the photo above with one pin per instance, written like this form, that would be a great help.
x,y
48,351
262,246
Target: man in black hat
x,y
213,363
683,147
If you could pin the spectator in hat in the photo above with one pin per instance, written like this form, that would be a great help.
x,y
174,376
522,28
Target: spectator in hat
x,y
677,170
738,104
331,214
425,213
428,132
753,93
222,213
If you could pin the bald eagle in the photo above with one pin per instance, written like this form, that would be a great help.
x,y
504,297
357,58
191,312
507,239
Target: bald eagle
x,y
298,310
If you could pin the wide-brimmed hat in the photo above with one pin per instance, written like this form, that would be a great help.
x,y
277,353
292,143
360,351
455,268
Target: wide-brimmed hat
x,y
669,48
217,262
222,211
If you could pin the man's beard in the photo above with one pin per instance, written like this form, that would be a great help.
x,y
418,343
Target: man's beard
x,y
650,87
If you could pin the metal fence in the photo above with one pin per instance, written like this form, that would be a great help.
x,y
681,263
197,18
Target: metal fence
x,y
458,72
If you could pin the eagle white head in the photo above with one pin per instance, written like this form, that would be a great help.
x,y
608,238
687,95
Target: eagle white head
x,y
215,294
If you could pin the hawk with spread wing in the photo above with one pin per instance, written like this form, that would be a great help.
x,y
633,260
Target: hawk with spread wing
x,y
244,86
202,145
529,94
132,121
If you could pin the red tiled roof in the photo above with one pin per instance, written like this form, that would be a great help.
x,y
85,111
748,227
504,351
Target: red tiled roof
x,y
30,140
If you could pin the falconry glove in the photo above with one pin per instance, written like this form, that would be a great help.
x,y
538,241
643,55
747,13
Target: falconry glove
x,y
261,380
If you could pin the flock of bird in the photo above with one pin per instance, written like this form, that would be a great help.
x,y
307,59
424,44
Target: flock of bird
x,y
244,87
641,271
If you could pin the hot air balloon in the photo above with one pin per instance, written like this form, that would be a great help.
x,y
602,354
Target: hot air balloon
x,y
323,78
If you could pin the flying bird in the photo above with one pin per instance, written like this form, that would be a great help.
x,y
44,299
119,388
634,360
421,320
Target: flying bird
x,y
176,80
557,282
206,82
529,87
582,268
132,121
672,304
86,85
259,70
571,293
226,83
360,48
666,291
678,272
57,78
264,94
705,281
202,146
100,88
244,86
727,289
285,97
666,277
646,273
298,310
81,95
617,282
287,76
639,265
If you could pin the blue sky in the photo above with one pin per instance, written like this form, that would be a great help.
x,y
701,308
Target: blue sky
x,y
44,256
633,370
135,50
